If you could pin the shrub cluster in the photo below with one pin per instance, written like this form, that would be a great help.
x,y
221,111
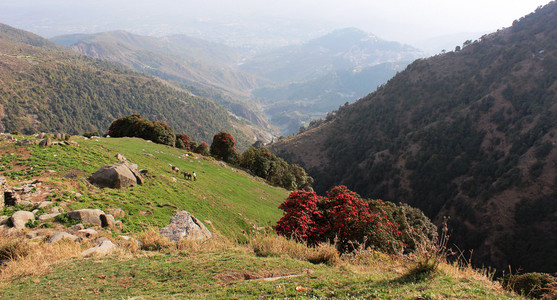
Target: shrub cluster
x,y
348,220
274,169
137,126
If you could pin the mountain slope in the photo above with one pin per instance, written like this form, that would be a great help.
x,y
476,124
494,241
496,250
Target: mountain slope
x,y
296,104
340,50
44,89
204,68
469,134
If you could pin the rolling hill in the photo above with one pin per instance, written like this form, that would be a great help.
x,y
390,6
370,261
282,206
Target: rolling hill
x,y
52,89
468,134
201,67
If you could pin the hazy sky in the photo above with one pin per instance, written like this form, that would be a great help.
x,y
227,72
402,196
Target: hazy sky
x,y
407,21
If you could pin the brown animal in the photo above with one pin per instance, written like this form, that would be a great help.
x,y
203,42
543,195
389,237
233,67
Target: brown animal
x,y
175,169
186,175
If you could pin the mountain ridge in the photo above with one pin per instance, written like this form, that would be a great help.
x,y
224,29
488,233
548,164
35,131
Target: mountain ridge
x,y
468,134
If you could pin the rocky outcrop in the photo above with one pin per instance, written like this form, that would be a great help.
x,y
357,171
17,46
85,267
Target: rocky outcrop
x,y
87,216
20,218
185,225
119,175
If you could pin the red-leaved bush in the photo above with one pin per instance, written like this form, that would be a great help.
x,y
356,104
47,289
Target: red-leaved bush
x,y
342,217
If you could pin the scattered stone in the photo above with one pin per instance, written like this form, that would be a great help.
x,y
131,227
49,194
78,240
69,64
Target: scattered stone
x,y
62,235
185,225
118,175
41,135
89,232
116,212
59,136
87,216
27,189
124,237
4,220
11,198
107,220
103,248
20,218
26,142
77,227
32,235
45,204
56,209
48,216
78,195
149,154
45,142
35,211
120,157
174,179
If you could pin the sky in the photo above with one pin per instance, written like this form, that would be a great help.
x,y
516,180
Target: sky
x,y
407,21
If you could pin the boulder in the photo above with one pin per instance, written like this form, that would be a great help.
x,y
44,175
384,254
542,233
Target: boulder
x,y
45,142
48,216
89,232
45,204
107,220
26,142
118,175
103,248
116,212
77,227
185,225
87,216
20,218
62,235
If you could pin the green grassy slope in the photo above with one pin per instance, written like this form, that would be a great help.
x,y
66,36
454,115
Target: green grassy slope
x,y
233,274
231,199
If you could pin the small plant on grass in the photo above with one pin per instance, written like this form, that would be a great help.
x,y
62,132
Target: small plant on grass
x,y
428,255
534,285
32,223
66,220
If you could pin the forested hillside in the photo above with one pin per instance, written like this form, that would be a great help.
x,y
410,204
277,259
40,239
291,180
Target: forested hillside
x,y
49,89
469,134
201,67
293,105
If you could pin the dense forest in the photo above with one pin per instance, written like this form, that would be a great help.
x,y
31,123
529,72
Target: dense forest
x,y
51,89
469,133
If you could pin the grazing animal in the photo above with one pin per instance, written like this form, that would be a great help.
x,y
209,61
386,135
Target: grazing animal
x,y
186,175
194,176
175,169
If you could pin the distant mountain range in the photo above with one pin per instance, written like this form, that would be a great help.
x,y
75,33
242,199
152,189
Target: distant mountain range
x,y
341,49
469,134
45,87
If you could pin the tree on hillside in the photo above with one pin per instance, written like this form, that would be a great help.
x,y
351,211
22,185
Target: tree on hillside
x,y
136,126
224,147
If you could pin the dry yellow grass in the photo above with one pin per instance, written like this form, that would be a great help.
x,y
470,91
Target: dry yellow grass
x,y
275,245
38,257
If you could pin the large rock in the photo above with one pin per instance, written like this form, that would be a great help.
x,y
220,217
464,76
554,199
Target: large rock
x,y
107,220
118,175
62,235
87,216
20,218
103,248
184,225
48,216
